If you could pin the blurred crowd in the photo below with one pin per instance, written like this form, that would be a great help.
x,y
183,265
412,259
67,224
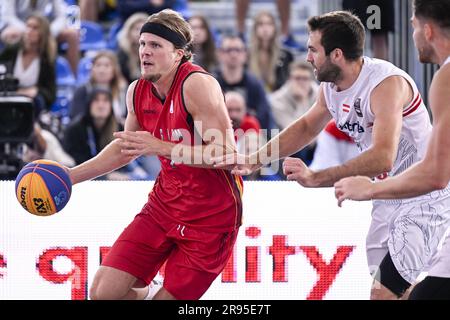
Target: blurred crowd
x,y
75,60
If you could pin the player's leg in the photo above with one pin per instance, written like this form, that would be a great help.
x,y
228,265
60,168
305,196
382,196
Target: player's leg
x,y
133,261
437,284
431,288
377,248
388,283
414,237
195,263
113,284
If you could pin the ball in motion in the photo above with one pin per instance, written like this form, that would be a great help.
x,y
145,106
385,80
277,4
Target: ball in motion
x,y
43,187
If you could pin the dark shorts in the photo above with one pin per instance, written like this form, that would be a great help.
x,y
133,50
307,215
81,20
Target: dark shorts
x,y
431,288
194,258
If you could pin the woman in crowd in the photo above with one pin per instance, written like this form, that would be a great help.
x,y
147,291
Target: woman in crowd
x,y
268,60
32,62
105,74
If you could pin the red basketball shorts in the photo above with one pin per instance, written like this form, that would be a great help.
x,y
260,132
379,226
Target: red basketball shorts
x,y
194,258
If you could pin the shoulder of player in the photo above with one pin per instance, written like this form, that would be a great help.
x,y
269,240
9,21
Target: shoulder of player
x,y
198,81
393,88
442,76
200,87
201,92
130,95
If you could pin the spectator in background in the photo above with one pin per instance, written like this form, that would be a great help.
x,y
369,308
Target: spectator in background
x,y
294,99
379,37
126,8
32,62
232,75
246,127
105,74
89,133
333,148
296,96
95,10
268,61
45,145
204,47
128,41
284,12
15,13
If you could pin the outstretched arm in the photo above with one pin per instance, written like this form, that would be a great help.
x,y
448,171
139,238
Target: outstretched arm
x,y
387,101
204,101
110,158
296,136
432,173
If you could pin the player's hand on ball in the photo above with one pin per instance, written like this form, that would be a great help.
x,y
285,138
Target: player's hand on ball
x,y
296,170
138,143
353,188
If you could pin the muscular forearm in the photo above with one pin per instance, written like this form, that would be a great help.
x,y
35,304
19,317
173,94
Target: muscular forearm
x,y
417,180
196,156
109,159
369,163
289,141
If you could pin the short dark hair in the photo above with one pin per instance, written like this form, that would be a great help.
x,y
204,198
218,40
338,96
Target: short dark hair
x,y
340,29
436,10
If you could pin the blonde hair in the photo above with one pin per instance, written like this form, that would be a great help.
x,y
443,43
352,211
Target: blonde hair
x,y
47,43
175,22
268,77
117,81
124,41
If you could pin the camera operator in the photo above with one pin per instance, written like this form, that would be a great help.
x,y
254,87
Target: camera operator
x,y
32,62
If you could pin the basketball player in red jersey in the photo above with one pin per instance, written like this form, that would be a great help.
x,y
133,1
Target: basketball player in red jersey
x,y
194,211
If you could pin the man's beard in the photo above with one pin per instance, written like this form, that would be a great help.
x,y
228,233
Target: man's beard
x,y
426,54
153,77
329,72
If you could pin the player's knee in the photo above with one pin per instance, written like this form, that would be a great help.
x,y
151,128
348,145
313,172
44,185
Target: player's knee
x,y
380,292
102,292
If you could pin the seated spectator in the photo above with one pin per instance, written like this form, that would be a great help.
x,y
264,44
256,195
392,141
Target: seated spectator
x,y
334,148
284,13
96,10
126,8
15,12
45,145
246,130
268,60
232,75
105,74
204,47
294,99
128,41
89,133
32,62
296,96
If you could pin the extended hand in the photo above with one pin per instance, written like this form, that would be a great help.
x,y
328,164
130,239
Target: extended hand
x,y
296,170
238,164
138,143
353,188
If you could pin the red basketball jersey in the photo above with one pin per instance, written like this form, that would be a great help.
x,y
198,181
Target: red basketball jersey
x,y
204,198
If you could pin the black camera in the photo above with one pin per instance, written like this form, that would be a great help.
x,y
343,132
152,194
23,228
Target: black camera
x,y
16,126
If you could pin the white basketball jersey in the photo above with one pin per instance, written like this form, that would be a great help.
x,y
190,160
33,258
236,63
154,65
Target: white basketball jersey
x,y
446,61
352,112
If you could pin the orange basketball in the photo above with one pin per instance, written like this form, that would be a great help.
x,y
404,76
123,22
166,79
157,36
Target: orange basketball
x,y
43,187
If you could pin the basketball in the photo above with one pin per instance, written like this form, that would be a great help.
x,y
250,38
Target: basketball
x,y
43,187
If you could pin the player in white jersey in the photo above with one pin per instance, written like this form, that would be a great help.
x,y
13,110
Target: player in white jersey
x,y
379,106
432,39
